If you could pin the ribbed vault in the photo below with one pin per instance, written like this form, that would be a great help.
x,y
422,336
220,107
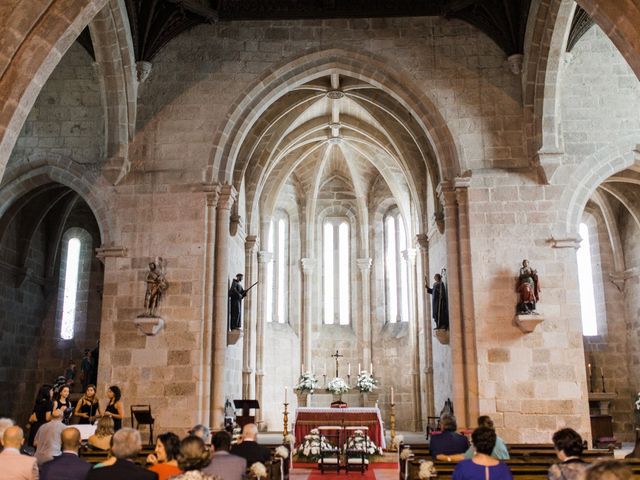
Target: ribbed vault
x,y
335,126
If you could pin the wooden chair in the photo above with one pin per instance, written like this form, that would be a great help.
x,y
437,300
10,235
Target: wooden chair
x,y
330,453
356,459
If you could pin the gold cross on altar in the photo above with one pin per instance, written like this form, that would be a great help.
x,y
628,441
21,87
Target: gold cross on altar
x,y
336,356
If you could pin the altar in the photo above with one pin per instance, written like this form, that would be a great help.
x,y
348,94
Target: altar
x,y
308,418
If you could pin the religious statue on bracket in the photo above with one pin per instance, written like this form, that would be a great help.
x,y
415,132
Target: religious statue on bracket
x,y
149,322
236,295
439,304
528,288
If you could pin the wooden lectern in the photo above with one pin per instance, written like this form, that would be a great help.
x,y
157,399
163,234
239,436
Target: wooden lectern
x,y
246,406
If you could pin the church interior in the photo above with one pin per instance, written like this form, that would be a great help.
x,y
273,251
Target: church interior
x,y
340,154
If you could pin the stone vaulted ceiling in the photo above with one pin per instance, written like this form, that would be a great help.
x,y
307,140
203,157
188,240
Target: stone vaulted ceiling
x,y
155,22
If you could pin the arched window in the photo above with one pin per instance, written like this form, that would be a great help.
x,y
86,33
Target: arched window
x,y
335,261
396,270
278,269
585,279
72,270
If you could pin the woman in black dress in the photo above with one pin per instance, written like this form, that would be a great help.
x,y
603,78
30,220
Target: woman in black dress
x,y
41,411
63,404
115,408
88,408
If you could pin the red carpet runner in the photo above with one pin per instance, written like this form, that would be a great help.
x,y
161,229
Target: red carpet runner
x,y
301,469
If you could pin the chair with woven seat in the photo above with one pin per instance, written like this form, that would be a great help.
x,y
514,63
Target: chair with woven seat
x,y
330,452
356,458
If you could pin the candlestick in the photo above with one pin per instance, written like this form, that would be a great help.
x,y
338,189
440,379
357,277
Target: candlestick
x,y
324,379
285,421
392,426
589,368
601,372
604,390
349,379
325,369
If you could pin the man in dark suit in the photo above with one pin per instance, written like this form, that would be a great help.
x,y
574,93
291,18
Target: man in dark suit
x,y
67,466
126,446
249,448
223,464
449,442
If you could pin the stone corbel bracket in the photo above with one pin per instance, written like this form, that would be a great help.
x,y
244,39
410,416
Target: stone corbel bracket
x,y
442,335
233,336
150,326
111,251
528,323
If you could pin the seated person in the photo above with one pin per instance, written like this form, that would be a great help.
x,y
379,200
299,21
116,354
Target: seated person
x,y
500,450
608,470
101,439
223,464
568,445
482,466
448,442
249,448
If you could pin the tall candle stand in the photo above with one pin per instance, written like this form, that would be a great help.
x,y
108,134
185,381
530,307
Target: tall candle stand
x,y
392,426
324,379
349,379
285,421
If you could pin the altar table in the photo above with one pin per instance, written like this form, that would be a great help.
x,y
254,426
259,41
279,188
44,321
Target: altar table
x,y
308,418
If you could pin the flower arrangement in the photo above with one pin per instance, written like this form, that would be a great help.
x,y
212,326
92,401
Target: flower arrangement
x,y
397,441
258,470
289,439
307,383
406,454
358,442
365,382
309,449
235,436
427,470
337,386
282,452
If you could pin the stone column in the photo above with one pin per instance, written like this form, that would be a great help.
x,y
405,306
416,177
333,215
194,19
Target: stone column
x,y
308,267
223,216
264,258
206,353
249,324
423,245
409,256
447,196
364,265
469,347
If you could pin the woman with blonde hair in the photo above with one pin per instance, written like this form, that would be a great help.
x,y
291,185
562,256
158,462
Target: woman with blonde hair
x,y
88,407
101,440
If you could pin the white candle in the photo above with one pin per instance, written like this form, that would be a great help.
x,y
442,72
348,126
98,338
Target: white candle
x,y
285,394
371,368
359,369
349,369
313,368
392,395
302,368
325,368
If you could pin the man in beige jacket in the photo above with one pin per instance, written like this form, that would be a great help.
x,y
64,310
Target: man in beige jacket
x,y
13,464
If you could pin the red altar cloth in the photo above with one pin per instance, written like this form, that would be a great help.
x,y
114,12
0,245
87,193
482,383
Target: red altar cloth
x,y
308,418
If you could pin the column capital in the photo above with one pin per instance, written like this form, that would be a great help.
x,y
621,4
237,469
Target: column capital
x,y
409,255
364,264
212,194
445,192
308,265
461,182
251,244
422,239
264,256
227,195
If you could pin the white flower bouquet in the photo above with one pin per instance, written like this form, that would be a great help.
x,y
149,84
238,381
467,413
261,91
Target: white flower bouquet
x,y
258,470
282,452
309,449
427,470
365,382
406,454
358,442
307,383
337,386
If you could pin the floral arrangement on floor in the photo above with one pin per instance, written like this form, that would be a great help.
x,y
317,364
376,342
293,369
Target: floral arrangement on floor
x,y
307,383
309,449
365,382
359,443
337,386
235,436
282,452
427,470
